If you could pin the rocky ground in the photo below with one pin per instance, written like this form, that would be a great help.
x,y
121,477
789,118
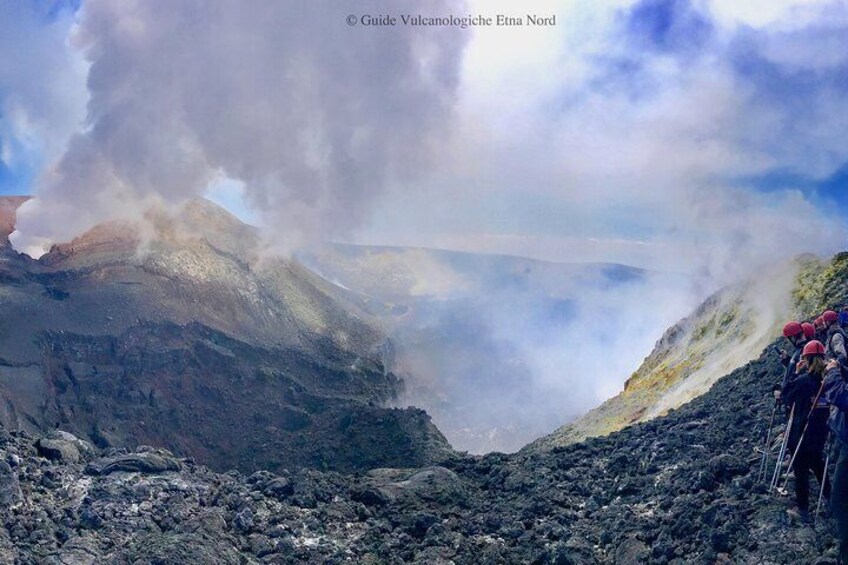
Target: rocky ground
x,y
679,489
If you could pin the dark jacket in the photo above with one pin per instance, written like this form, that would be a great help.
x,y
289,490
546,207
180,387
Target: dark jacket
x,y
801,390
836,395
791,362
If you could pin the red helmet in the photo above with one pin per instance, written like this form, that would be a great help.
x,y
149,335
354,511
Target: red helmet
x,y
792,329
818,322
809,330
815,347
830,316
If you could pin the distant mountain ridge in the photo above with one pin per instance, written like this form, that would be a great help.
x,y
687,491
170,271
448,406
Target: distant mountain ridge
x,y
396,270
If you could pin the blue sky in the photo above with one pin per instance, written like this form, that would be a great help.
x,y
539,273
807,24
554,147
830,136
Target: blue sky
x,y
42,89
18,180
831,193
677,29
629,129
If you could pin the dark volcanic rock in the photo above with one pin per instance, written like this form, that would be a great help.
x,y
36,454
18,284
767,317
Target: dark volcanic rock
x,y
680,489
227,403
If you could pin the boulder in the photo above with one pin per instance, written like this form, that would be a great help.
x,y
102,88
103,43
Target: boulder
x,y
632,552
63,446
76,551
430,484
435,484
152,461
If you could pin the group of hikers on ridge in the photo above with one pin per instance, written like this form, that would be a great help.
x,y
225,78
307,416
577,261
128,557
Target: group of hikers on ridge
x,y
814,394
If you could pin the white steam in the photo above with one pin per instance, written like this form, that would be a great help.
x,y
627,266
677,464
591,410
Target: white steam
x,y
678,135
501,350
313,115
765,305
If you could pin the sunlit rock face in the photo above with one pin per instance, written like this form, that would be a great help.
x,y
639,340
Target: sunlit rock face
x,y
726,331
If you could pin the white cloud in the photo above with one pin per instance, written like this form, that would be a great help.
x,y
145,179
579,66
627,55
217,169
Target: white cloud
x,y
768,13
599,123
311,114
604,126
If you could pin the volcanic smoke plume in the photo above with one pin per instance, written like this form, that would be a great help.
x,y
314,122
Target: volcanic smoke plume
x,y
311,114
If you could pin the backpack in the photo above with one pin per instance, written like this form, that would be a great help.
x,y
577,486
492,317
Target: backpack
x,y
829,349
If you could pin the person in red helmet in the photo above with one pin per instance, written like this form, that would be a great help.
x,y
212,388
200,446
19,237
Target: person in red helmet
x,y
821,330
809,426
836,340
798,338
809,330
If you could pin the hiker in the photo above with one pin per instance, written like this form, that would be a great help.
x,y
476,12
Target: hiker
x,y
809,427
798,336
843,317
821,330
809,331
836,339
836,395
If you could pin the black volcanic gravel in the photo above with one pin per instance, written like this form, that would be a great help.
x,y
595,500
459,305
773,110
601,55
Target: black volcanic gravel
x,y
678,489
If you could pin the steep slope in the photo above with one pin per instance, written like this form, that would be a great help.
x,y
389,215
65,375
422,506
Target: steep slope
x,y
679,489
725,332
180,333
485,343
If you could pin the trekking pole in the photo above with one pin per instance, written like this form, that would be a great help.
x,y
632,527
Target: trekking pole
x,y
803,432
782,452
828,449
767,447
824,482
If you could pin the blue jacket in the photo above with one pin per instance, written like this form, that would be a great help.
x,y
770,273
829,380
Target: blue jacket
x,y
836,395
